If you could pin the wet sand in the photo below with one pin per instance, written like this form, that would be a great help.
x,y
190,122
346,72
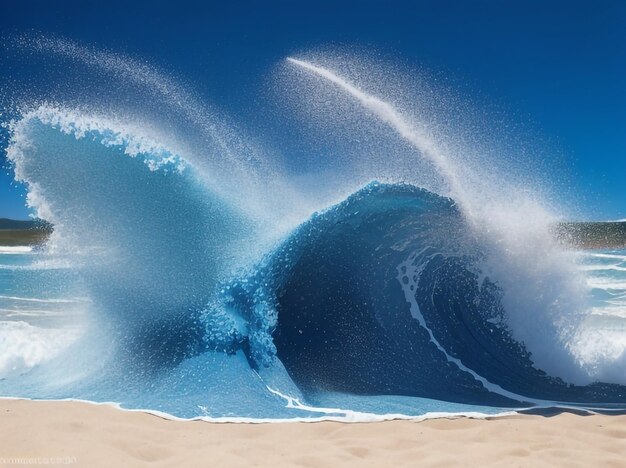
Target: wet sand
x,y
82,434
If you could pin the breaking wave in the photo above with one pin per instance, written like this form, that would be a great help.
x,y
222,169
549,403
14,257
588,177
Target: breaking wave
x,y
206,293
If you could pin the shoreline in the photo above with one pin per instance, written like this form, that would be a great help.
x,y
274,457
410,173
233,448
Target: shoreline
x,y
87,434
348,417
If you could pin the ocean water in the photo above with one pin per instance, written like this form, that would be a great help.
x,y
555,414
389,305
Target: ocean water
x,y
185,279
318,369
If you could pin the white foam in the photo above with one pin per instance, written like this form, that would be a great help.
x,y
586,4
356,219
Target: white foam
x,y
616,309
24,346
601,348
362,417
25,313
606,283
42,300
41,264
17,249
611,256
133,137
599,268
350,416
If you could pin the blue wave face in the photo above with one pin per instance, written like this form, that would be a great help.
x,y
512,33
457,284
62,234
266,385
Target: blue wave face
x,y
382,294
376,305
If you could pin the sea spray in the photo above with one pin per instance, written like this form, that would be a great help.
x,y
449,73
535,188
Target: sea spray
x,y
149,241
544,296
387,113
214,282
123,91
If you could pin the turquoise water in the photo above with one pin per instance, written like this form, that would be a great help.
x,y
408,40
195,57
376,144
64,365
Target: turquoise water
x,y
42,315
41,318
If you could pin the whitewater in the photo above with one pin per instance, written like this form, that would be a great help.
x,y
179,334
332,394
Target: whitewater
x,y
192,276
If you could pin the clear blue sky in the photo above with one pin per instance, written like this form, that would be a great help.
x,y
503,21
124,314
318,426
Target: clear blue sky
x,y
560,64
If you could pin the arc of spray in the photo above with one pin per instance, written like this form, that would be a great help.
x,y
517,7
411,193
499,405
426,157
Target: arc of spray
x,y
388,114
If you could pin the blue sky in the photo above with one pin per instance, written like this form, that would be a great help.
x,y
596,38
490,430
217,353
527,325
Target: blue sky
x,y
561,65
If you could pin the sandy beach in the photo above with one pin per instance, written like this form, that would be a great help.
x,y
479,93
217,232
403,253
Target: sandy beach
x,y
82,434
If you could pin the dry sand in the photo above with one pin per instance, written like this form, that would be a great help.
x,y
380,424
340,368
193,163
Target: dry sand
x,y
81,434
